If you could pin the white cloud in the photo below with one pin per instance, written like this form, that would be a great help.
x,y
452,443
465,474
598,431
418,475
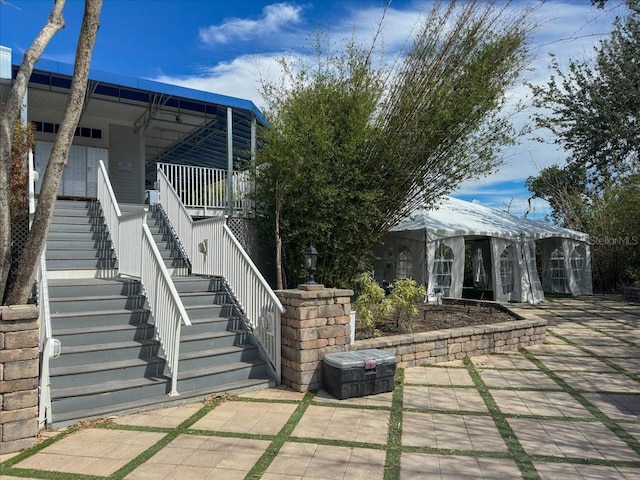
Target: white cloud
x,y
274,18
239,78
569,30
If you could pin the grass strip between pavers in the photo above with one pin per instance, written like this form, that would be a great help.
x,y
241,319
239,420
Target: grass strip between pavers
x,y
272,450
179,430
606,361
520,457
612,425
36,448
394,437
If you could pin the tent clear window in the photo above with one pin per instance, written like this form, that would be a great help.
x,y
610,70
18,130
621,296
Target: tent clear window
x,y
405,263
507,265
557,271
442,266
578,261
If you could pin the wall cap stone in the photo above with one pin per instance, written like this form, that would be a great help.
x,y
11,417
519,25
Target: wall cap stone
x,y
310,294
19,312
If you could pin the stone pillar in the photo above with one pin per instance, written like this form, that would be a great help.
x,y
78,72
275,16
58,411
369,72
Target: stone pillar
x,y
19,371
316,322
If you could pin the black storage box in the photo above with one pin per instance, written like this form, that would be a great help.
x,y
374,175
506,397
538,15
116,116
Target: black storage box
x,y
358,373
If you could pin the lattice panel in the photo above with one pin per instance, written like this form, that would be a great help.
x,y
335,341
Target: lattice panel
x,y
19,232
246,232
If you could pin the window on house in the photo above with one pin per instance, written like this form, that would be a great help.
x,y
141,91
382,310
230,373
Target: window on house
x,y
405,263
507,267
558,279
442,267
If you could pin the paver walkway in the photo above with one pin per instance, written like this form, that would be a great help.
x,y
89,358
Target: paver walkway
x,y
568,409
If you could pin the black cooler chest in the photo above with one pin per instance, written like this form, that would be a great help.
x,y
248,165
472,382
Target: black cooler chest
x,y
358,373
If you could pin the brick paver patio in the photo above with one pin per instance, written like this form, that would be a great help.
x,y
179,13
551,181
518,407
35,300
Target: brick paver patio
x,y
567,409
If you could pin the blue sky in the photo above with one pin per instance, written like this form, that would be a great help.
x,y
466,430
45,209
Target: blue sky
x,y
223,46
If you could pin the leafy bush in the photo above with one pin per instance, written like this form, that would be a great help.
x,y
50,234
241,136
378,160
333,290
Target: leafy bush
x,y
371,304
404,296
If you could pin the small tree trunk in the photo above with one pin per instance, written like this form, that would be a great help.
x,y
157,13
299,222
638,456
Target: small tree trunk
x,y
10,115
279,283
21,288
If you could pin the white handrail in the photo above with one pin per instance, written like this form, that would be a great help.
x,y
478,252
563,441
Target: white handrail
x,y
175,210
141,258
45,332
110,207
214,251
44,401
164,303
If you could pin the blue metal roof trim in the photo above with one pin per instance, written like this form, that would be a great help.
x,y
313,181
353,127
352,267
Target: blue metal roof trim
x,y
154,86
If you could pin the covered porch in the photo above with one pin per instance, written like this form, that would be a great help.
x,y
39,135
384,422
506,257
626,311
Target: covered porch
x,y
204,142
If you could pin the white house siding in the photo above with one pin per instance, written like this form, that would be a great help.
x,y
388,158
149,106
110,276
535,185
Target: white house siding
x,y
126,168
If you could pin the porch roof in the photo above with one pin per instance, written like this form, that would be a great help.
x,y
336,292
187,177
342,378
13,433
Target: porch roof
x,y
181,125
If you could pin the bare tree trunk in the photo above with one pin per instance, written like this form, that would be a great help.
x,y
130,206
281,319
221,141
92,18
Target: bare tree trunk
x,y
20,290
10,115
279,283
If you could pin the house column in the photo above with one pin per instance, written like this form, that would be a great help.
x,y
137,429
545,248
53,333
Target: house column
x,y
316,322
229,186
19,371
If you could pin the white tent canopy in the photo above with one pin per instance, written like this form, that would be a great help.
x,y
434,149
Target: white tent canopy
x,y
431,244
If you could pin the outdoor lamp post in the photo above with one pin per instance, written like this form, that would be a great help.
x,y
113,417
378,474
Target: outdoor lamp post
x,y
311,260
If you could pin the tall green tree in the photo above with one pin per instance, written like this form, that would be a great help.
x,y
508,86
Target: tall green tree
x,y
593,108
593,111
565,190
16,289
353,147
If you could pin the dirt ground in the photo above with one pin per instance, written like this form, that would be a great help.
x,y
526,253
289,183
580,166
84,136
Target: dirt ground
x,y
438,317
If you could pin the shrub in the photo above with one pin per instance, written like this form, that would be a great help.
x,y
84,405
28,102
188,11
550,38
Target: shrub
x,y
404,296
371,305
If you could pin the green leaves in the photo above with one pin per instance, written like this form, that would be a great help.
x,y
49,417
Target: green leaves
x,y
595,106
352,147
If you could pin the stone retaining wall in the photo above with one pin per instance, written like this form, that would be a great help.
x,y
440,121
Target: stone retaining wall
x,y
316,322
427,348
19,370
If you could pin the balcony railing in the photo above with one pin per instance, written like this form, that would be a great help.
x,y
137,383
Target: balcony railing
x,y
205,191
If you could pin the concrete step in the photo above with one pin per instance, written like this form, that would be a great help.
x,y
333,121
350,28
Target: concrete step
x,y
214,324
217,357
190,299
80,264
220,375
198,284
68,402
104,318
199,313
83,228
95,374
192,342
93,287
63,419
96,303
79,243
88,354
78,253
99,334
